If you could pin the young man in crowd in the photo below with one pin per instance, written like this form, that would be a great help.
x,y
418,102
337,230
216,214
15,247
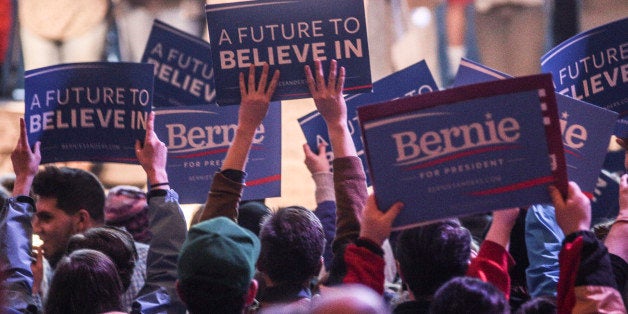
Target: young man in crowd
x,y
74,204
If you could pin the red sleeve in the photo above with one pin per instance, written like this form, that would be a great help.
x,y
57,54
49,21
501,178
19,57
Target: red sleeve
x,y
364,267
492,265
5,27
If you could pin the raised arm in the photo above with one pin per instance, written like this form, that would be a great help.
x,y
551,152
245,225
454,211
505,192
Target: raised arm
x,y
493,261
166,220
349,176
365,258
15,226
319,167
226,190
25,163
586,282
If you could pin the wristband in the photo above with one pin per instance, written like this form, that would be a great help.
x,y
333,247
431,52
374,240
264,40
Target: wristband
x,y
152,186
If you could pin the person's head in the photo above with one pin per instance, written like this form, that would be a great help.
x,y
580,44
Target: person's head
x,y
251,214
347,299
84,282
538,305
432,254
216,267
116,243
126,206
69,201
469,295
292,245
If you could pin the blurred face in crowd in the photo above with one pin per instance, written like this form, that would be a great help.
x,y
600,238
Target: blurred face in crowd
x,y
54,226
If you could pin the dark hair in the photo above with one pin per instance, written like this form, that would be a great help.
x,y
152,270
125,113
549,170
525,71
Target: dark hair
x,y
292,245
538,305
201,296
251,214
430,255
84,282
116,243
74,189
469,295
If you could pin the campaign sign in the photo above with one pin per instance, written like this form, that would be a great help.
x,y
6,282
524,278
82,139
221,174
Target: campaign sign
x,y
593,66
288,35
413,80
465,150
183,67
198,138
586,129
88,111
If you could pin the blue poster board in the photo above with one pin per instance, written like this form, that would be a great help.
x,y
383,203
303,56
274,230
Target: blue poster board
x,y
88,111
586,129
288,35
197,138
184,75
593,66
461,151
414,80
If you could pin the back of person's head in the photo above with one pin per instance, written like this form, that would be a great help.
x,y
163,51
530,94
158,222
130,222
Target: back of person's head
x,y
292,245
126,206
251,214
84,282
348,299
469,295
116,243
538,305
216,266
432,254
74,189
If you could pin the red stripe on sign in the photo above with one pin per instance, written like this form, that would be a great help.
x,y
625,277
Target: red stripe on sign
x,y
514,187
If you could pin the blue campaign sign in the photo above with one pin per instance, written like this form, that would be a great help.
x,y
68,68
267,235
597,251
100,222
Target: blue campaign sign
x,y
461,151
288,35
414,80
88,111
586,129
593,66
184,75
198,137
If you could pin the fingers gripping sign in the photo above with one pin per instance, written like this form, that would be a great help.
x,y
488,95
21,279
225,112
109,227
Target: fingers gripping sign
x,y
153,154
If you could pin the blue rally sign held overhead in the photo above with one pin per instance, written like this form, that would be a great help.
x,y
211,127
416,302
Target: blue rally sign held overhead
x,y
287,34
460,151
183,67
198,137
88,111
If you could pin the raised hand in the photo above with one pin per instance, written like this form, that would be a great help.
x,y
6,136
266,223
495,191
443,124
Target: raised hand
x,y
255,97
25,162
316,163
253,109
574,213
376,225
327,95
153,155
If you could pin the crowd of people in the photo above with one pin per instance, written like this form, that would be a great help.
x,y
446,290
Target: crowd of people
x,y
131,252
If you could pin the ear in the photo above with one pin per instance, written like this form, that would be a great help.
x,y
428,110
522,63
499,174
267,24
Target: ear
x,y
82,221
249,297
